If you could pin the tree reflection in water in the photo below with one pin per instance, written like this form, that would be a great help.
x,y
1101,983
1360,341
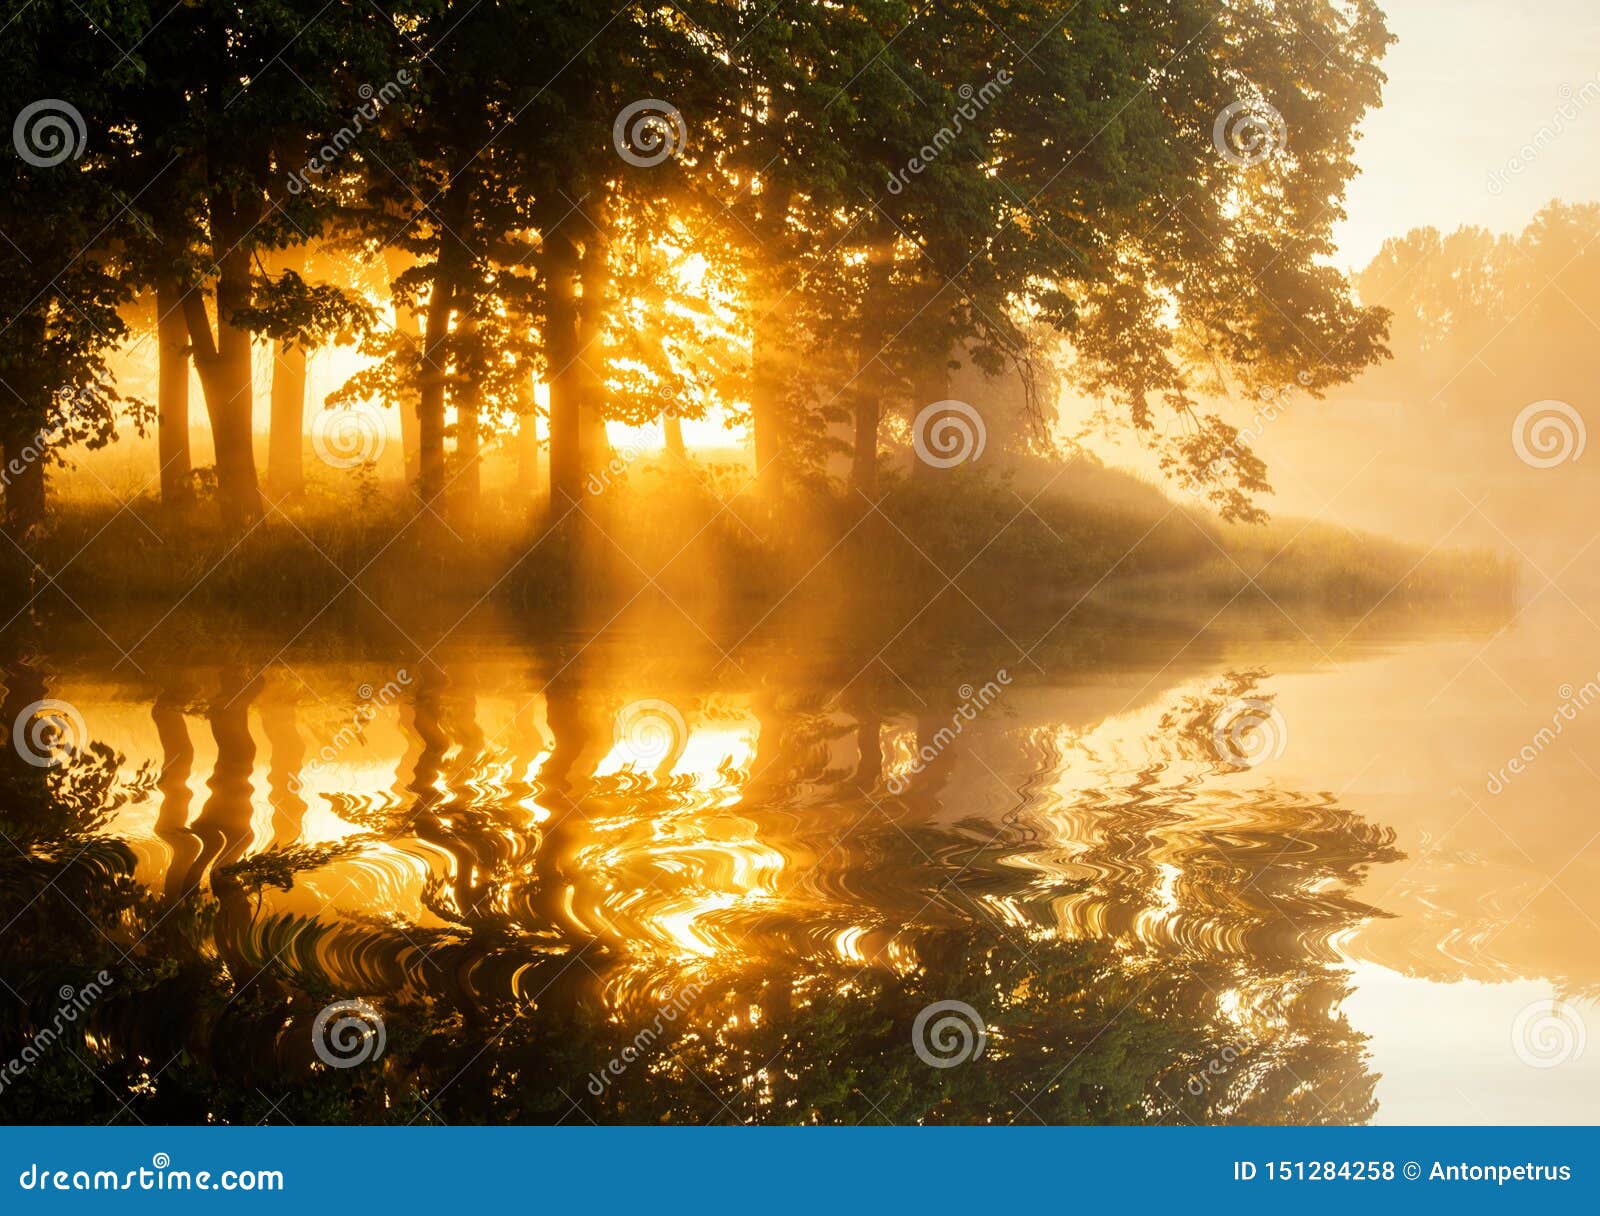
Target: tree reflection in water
x,y
750,936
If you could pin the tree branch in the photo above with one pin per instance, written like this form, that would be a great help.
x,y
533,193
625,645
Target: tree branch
x,y
194,313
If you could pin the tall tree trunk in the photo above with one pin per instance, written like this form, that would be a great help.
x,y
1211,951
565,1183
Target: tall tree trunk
x,y
869,747
594,281
770,331
225,377
24,479
527,440
22,445
446,297
224,824
285,758
593,441
177,764
672,436
287,397
172,395
431,390
223,361
287,420
236,457
933,383
225,820
466,482
409,324
560,259
870,381
285,470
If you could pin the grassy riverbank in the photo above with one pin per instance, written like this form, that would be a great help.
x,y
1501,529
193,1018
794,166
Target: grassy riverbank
x,y
689,536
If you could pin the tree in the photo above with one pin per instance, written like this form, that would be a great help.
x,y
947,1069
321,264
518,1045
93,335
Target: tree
x,y
223,106
62,272
1516,302
299,316
1195,184
1170,177
446,195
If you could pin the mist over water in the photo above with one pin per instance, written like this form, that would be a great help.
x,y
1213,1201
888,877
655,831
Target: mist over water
x,y
609,842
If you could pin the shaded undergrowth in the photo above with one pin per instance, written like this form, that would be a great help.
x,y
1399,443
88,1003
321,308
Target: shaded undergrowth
x,y
699,536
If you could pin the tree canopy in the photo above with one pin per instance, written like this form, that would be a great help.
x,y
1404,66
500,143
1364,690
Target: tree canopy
x,y
799,218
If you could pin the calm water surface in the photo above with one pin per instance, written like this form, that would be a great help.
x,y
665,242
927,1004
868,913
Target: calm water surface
x,y
1194,877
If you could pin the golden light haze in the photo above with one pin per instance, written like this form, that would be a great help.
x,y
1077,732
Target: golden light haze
x,y
1471,82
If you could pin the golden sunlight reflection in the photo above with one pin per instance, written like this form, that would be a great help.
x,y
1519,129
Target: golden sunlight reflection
x,y
789,831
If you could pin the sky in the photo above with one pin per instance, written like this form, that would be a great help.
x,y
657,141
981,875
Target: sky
x,y
1470,83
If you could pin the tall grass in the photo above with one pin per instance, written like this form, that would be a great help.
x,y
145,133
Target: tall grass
x,y
700,534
